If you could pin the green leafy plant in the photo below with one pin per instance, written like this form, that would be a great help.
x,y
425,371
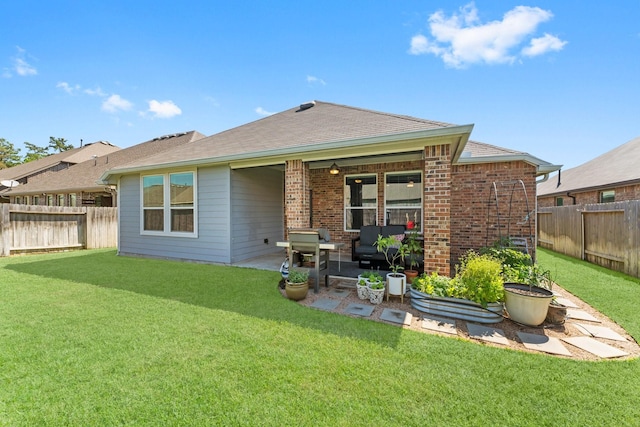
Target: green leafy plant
x,y
297,276
394,251
481,278
518,267
436,285
376,285
414,249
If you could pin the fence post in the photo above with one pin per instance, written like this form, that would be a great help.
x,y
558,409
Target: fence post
x,y
5,230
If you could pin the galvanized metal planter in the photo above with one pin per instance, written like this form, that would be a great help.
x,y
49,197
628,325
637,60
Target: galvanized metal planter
x,y
456,308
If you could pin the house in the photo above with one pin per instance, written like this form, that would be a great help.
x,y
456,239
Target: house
x,y
78,184
30,171
611,177
232,195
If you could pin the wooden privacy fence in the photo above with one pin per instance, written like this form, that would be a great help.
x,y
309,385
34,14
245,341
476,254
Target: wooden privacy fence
x,y
29,228
606,234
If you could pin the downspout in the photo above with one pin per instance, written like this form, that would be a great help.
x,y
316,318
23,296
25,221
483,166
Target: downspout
x,y
573,197
544,178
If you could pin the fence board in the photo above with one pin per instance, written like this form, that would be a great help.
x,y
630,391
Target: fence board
x,y
26,228
605,234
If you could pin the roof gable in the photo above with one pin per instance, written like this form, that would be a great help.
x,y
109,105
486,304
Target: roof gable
x,y
85,175
619,165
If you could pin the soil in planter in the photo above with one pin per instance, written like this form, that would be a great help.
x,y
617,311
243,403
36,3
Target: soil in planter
x,y
526,292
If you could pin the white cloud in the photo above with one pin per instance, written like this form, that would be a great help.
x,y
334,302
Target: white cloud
x,y
261,111
68,88
20,66
115,103
461,39
164,109
315,80
95,92
542,45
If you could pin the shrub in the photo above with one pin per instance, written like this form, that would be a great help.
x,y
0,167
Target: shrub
x,y
481,278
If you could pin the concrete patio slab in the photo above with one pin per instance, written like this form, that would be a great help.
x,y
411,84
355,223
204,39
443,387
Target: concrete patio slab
x,y
439,324
580,315
339,293
363,310
595,347
543,343
599,332
396,316
486,333
566,302
325,304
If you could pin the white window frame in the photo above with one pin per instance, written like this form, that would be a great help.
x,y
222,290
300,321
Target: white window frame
x,y
417,208
167,208
61,200
73,200
348,208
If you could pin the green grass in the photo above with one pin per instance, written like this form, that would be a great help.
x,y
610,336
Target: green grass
x,y
90,338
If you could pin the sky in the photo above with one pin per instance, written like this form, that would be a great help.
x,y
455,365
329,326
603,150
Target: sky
x,y
558,80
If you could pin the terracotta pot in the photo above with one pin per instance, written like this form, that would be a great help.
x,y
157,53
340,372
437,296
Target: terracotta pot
x,y
296,291
411,274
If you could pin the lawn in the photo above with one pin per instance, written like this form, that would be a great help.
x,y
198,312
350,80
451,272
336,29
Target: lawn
x,y
90,338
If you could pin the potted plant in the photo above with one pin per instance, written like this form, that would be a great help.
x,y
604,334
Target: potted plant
x,y
376,291
297,285
414,254
527,287
362,286
394,251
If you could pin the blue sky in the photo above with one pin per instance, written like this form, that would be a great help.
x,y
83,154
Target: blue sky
x,y
559,80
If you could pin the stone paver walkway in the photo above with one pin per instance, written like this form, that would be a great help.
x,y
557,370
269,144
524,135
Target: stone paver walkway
x,y
588,333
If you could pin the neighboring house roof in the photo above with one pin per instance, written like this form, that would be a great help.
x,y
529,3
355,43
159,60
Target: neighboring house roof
x,y
613,168
316,132
84,176
75,155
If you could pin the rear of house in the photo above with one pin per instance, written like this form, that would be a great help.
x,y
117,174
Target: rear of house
x,y
229,197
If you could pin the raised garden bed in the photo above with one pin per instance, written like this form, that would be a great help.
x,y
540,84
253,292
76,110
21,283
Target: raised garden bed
x,y
456,308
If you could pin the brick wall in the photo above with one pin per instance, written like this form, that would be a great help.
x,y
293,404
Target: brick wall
x,y
475,220
449,230
296,181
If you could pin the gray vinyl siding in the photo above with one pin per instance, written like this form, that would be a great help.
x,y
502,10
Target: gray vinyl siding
x,y
257,212
213,241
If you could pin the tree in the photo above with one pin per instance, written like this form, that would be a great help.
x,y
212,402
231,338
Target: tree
x,y
9,155
34,152
59,144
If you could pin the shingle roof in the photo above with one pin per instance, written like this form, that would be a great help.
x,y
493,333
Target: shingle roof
x,y
84,176
75,155
619,165
322,123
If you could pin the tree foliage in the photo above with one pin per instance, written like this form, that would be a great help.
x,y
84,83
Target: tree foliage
x,y
59,144
35,152
9,154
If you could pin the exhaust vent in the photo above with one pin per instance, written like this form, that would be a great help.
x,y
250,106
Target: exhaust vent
x,y
306,106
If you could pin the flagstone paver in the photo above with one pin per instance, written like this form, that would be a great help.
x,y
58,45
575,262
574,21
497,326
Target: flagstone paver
x,y
326,304
364,310
486,333
599,332
439,324
580,315
339,293
396,316
543,343
566,302
596,347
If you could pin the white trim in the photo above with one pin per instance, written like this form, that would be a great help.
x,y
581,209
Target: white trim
x,y
167,208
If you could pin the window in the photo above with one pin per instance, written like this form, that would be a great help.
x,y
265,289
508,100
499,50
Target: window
x,y
49,199
559,201
168,203
403,199
607,196
26,200
18,200
61,200
73,200
360,201
36,200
